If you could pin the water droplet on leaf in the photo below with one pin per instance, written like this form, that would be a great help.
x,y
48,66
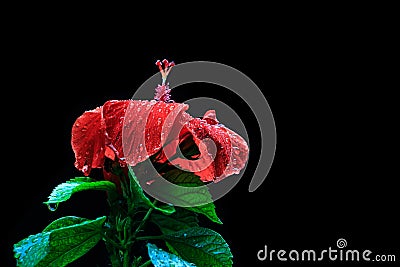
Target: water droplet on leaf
x,y
52,206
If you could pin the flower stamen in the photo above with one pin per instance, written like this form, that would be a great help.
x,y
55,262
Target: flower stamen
x,y
162,91
166,70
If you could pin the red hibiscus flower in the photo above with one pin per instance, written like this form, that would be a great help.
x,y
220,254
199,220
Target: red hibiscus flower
x,y
129,132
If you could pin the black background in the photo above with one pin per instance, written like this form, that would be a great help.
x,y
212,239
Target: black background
x,y
331,90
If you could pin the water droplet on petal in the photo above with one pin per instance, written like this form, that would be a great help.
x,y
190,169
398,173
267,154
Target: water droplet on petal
x,y
150,182
85,168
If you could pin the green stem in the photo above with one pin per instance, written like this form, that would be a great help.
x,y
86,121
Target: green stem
x,y
149,237
147,263
126,228
146,217
126,258
112,242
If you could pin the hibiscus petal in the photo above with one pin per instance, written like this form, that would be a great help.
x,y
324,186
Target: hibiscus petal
x,y
240,149
147,126
239,156
210,117
88,141
139,129
231,149
113,116
214,157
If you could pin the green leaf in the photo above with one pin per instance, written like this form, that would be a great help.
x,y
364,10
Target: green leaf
x,y
171,249
199,195
139,198
61,243
31,250
180,220
64,222
183,178
202,246
64,191
161,258
208,210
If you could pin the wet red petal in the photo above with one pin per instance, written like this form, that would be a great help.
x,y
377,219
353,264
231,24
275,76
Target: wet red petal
x,y
159,116
210,117
113,116
223,145
144,124
239,156
240,149
148,124
88,141
231,149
